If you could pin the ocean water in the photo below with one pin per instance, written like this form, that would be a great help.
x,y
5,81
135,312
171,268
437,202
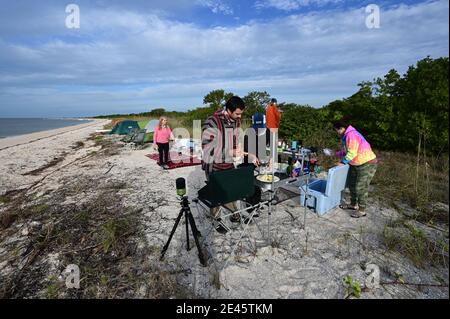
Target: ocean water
x,y
16,126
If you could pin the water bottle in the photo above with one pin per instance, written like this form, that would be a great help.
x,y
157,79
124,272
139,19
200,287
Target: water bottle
x,y
306,168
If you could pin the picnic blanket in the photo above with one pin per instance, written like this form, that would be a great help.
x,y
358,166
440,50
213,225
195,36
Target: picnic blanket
x,y
177,160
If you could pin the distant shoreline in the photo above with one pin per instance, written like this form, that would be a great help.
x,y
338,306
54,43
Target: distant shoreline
x,y
12,141
15,127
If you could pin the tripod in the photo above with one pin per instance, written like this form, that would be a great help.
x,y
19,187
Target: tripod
x,y
185,209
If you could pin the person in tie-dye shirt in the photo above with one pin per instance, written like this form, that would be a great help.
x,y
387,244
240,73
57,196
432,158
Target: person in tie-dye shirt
x,y
356,152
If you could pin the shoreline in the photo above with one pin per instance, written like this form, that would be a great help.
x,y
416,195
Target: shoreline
x,y
67,122
17,140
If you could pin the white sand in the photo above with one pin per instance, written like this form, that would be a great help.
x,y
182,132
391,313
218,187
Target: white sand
x,y
288,262
22,154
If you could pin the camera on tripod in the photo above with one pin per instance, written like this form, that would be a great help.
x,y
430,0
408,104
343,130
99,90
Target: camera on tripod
x,y
189,220
181,186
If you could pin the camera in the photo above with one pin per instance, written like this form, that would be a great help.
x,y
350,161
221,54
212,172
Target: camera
x,y
181,186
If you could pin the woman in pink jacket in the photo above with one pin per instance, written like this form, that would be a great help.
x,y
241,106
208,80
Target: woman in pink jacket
x,y
161,137
357,153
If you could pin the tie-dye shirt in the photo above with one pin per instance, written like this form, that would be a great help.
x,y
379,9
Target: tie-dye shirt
x,y
357,149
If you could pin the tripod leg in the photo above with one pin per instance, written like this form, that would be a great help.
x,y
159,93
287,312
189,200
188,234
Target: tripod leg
x,y
194,226
171,234
187,229
196,234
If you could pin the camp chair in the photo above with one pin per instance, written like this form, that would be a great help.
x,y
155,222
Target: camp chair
x,y
230,186
139,138
130,136
225,187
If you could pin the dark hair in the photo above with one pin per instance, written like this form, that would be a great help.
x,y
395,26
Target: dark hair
x,y
273,101
341,123
235,103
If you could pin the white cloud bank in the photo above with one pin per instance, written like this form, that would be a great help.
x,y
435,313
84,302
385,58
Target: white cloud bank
x,y
125,61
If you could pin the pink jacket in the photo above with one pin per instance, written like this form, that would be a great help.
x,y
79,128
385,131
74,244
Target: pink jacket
x,y
162,135
356,149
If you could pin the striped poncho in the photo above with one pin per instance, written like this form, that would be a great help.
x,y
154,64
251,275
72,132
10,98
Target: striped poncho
x,y
220,135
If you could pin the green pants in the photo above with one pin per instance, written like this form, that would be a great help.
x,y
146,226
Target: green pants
x,y
359,178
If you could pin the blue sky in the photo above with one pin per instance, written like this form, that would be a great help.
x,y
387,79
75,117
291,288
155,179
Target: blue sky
x,y
133,56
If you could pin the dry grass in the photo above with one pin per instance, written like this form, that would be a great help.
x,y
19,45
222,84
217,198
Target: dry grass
x,y
401,178
109,145
418,189
4,199
100,236
412,242
55,161
78,145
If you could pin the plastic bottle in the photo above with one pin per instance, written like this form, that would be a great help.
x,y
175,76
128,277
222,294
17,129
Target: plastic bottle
x,y
306,168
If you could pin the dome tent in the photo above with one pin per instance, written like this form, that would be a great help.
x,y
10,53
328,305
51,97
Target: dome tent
x,y
151,125
124,127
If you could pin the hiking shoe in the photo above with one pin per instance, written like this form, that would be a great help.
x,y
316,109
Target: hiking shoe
x,y
358,214
348,207
236,218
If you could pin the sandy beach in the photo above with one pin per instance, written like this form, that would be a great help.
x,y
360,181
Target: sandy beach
x,y
70,196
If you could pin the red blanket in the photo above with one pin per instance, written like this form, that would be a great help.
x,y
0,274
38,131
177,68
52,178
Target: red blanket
x,y
176,160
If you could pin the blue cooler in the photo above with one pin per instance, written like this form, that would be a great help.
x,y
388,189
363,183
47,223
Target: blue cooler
x,y
324,195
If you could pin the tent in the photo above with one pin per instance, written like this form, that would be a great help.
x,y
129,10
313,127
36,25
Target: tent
x,y
151,125
124,127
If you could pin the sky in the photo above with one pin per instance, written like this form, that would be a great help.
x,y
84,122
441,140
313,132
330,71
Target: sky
x,y
134,56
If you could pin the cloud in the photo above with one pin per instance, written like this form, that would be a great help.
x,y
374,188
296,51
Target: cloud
x,y
290,5
123,60
216,6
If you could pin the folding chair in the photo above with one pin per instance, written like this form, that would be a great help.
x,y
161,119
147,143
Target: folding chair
x,y
139,138
230,186
130,136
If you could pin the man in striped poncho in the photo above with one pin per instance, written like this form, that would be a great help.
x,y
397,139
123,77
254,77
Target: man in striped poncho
x,y
220,144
